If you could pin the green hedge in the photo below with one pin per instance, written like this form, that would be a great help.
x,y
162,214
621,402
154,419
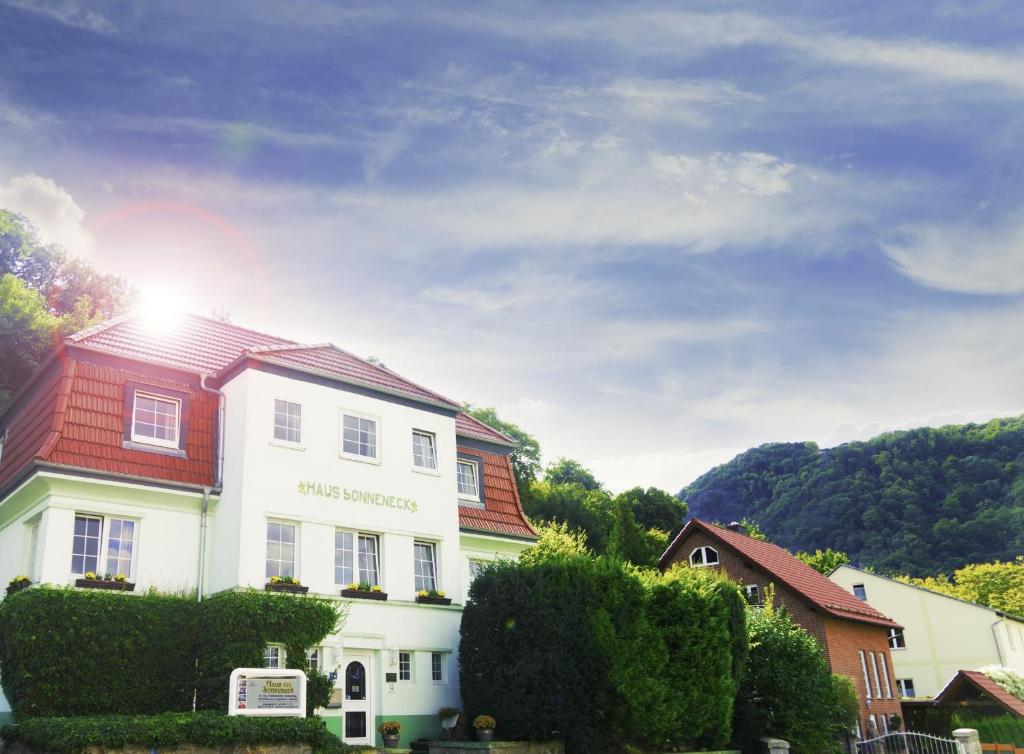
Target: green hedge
x,y
580,648
77,652
95,652
1005,729
235,628
70,735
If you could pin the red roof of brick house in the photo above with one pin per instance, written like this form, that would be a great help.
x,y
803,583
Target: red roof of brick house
x,y
961,686
790,570
71,413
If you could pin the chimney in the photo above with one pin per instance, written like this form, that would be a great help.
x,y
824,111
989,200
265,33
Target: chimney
x,y
737,527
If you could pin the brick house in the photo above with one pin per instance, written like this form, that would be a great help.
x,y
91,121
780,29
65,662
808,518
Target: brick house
x,y
853,635
199,455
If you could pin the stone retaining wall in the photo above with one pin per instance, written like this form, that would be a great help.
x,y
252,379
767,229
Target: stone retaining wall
x,y
17,748
504,747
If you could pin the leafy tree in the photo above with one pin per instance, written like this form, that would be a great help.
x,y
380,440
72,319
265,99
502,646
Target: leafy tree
x,y
44,293
655,508
922,502
588,511
569,471
998,585
627,539
555,541
824,561
525,456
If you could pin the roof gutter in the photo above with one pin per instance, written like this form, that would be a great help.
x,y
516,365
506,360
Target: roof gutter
x,y
995,638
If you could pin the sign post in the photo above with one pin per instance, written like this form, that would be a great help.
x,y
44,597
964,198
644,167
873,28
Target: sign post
x,y
267,692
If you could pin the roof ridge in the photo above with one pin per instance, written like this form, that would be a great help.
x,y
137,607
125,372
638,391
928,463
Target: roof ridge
x,y
391,371
486,425
99,327
288,347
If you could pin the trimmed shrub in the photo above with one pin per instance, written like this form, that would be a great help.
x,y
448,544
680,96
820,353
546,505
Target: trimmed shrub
x,y
127,653
1003,729
573,647
788,691
235,628
700,615
71,735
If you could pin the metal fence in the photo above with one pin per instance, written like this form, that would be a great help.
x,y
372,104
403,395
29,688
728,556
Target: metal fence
x,y
908,743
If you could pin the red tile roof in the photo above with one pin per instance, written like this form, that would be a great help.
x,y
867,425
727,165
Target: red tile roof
x,y
963,681
36,425
209,346
502,511
468,426
812,585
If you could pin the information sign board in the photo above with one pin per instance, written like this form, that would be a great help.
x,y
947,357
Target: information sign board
x,y
267,692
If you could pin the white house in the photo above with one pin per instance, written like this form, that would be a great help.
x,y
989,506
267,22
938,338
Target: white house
x,y
210,457
941,636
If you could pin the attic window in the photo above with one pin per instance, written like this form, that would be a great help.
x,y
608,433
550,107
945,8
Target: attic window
x,y
860,592
704,556
896,640
156,419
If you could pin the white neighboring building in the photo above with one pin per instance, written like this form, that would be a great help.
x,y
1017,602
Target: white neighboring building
x,y
942,635
211,457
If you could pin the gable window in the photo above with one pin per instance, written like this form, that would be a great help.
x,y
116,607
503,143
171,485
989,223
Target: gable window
x,y
155,419
356,558
405,666
287,421
859,592
437,667
896,640
906,687
358,437
424,451
280,549
92,553
753,592
469,480
425,566
704,556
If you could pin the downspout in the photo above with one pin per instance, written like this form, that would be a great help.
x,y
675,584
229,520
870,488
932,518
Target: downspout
x,y
218,480
995,638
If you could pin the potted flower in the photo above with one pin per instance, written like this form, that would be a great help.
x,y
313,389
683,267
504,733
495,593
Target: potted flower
x,y
389,732
484,725
364,590
432,597
285,584
117,582
17,584
449,717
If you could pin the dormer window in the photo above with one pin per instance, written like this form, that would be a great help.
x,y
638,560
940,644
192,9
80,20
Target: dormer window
x,y
469,480
156,420
704,556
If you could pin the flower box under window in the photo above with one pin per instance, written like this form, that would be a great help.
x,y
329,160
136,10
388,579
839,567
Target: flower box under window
x,y
111,584
364,594
17,584
426,599
284,586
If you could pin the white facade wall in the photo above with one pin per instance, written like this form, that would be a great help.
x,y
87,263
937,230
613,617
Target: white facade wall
x,y
943,635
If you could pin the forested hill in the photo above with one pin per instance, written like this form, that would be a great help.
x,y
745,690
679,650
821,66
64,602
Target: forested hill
x,y
921,502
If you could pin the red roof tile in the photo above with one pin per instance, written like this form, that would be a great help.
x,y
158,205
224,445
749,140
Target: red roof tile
x,y
958,684
209,346
37,423
812,585
502,511
468,426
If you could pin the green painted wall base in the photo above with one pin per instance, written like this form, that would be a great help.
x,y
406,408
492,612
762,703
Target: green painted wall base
x,y
413,727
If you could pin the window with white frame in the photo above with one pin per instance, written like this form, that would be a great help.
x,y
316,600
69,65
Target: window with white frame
x,y
885,675
874,671
437,673
860,592
405,666
753,593
287,422
906,687
156,419
475,567
273,656
469,480
425,566
424,450
359,437
314,659
356,558
112,554
704,556
280,549
864,669
896,639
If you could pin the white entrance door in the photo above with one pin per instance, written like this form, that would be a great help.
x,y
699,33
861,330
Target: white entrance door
x,y
358,705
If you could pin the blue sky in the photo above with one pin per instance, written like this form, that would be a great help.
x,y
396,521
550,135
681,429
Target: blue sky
x,y
653,234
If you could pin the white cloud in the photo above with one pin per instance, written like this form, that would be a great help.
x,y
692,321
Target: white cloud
x,y
69,13
970,259
670,469
50,208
